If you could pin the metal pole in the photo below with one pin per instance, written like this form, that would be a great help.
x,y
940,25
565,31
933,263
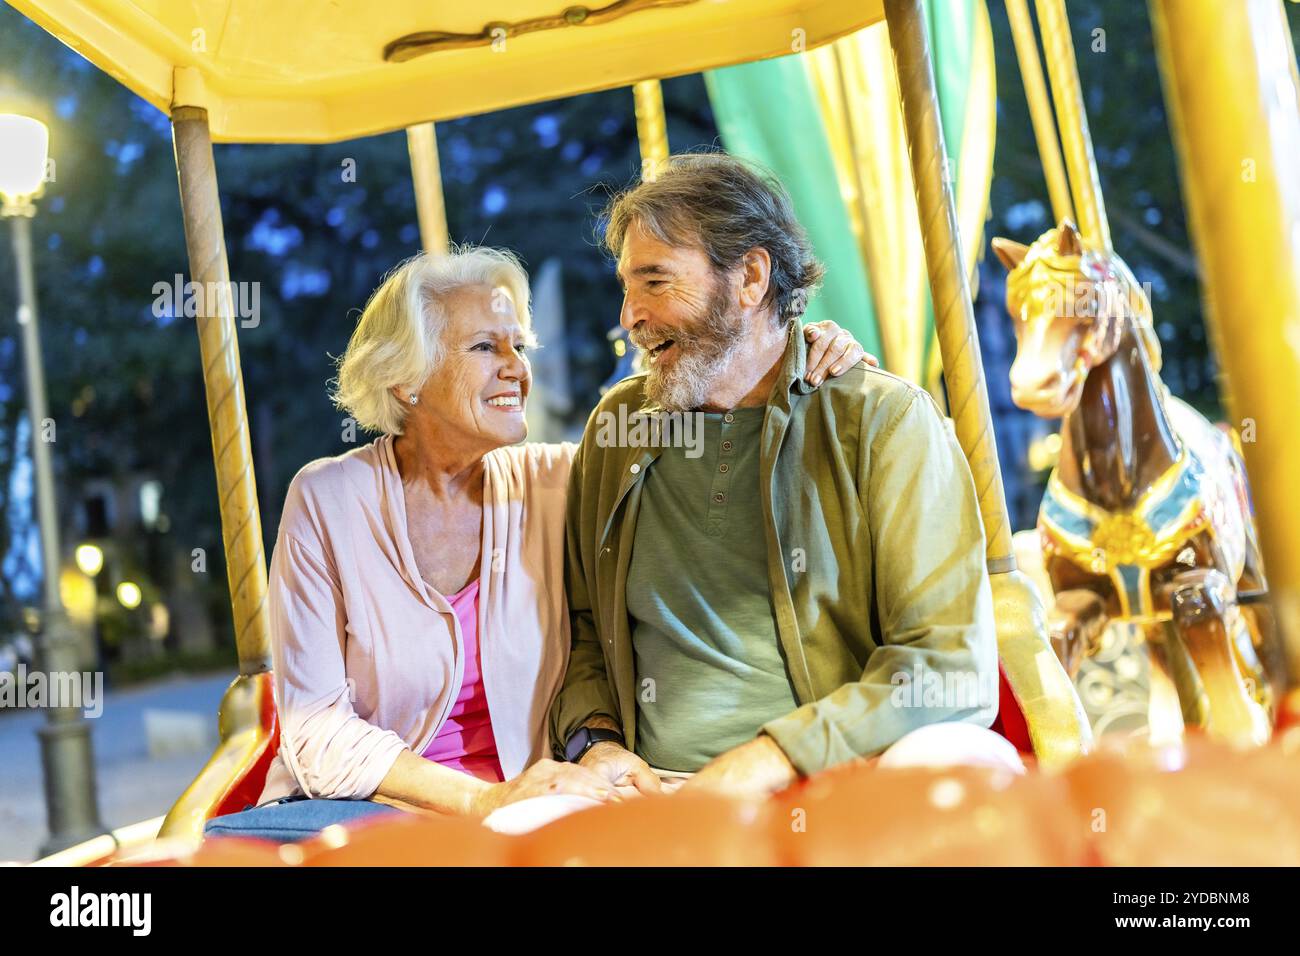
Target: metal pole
x,y
1230,82
1040,109
1057,723
241,523
67,759
430,205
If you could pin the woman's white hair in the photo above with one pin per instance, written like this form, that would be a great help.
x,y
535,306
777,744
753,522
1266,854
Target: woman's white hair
x,y
398,340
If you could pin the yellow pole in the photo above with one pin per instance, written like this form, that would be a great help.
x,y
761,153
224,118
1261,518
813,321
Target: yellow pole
x,y
1230,82
243,737
1072,120
430,207
241,523
954,317
1057,724
651,127
1040,109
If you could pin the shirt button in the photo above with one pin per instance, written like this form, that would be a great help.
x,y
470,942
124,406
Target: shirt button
x,y
635,468
728,418
726,445
719,498
724,467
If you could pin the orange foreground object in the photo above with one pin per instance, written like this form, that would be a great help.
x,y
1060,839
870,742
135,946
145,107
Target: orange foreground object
x,y
409,840
964,816
235,851
1199,803
685,829
1195,805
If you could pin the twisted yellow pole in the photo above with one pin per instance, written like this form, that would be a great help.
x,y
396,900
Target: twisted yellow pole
x,y
954,317
1057,723
1040,109
242,732
1072,120
651,127
241,523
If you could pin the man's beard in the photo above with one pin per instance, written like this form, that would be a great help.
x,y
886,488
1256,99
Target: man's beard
x,y
704,346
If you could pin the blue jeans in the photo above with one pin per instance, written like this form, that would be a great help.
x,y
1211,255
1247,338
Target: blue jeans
x,y
293,818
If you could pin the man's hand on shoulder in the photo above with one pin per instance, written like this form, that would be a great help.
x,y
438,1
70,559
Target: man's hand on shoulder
x,y
756,768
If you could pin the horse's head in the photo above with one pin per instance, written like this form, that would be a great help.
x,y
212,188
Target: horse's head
x,y
1070,306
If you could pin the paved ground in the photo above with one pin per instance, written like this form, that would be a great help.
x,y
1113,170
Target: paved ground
x,y
132,785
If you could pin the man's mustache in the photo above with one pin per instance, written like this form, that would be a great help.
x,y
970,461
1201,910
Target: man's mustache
x,y
644,339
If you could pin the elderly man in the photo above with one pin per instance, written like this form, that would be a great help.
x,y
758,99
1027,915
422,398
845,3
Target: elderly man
x,y
768,600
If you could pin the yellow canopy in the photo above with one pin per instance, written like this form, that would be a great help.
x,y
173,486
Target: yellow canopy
x,y
312,71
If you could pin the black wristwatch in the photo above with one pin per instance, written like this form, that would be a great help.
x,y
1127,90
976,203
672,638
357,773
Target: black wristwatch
x,y
584,738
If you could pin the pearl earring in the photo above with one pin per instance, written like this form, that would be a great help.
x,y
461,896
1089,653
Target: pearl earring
x,y
415,399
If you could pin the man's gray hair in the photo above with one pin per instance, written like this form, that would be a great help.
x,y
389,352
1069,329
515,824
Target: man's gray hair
x,y
726,207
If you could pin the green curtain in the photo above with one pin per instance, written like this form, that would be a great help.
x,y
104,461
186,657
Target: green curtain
x,y
951,26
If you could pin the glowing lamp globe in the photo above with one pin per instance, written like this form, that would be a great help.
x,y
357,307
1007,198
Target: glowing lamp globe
x,y
24,149
89,558
128,595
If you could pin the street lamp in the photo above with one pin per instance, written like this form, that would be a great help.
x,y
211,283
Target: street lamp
x,y
89,558
22,164
66,757
129,595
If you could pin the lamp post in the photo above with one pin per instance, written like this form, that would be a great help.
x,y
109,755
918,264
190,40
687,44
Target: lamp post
x,y
66,758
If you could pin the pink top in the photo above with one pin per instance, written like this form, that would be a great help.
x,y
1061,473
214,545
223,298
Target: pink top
x,y
369,660
465,741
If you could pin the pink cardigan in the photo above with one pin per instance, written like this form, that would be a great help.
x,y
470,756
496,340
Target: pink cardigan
x,y
368,658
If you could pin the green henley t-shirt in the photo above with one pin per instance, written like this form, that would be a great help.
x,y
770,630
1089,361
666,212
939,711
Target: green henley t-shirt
x,y
709,665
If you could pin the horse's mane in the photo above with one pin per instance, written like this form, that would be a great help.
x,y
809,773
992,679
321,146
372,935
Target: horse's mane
x,y
1044,264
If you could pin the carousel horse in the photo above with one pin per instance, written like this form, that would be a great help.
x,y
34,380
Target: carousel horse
x,y
1147,516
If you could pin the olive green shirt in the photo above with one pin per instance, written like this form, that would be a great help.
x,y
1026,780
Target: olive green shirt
x,y
874,555
707,652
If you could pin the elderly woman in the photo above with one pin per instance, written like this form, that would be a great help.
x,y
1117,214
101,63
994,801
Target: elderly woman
x,y
418,620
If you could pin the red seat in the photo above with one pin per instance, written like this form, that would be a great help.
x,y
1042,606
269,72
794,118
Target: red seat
x,y
247,787
1011,719
235,774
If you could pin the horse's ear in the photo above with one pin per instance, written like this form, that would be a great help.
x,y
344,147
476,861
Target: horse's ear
x,y
1067,240
1010,252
